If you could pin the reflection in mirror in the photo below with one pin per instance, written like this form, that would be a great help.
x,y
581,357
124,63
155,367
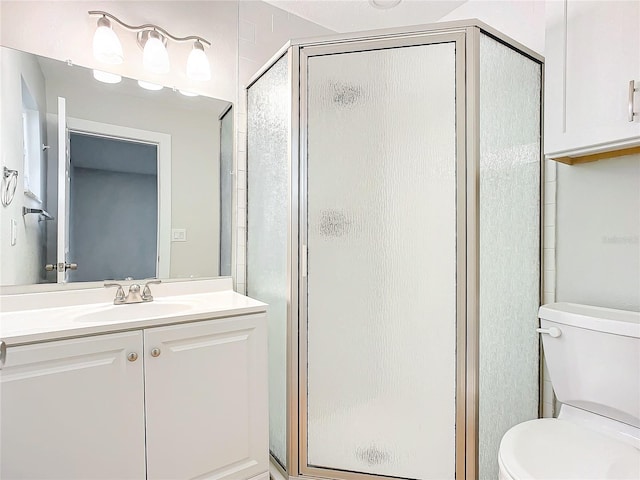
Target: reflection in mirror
x,y
116,179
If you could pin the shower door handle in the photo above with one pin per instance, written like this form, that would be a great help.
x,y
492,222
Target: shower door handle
x,y
303,260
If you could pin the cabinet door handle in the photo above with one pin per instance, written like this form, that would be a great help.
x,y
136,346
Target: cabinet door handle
x,y
132,357
632,91
155,352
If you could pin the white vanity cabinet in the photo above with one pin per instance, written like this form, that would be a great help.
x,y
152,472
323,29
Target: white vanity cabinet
x,y
206,399
190,397
592,51
73,409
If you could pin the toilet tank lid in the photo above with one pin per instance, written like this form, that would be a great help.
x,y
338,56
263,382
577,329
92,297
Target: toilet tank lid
x,y
609,320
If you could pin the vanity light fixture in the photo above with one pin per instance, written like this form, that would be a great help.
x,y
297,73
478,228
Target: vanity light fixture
x,y
106,77
106,44
198,64
155,57
149,85
153,41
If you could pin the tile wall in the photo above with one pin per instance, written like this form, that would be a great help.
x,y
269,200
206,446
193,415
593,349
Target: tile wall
x,y
549,270
263,30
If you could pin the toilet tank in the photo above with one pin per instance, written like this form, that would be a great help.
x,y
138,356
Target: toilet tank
x,y
595,362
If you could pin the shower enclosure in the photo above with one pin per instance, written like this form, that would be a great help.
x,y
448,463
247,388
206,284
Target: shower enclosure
x,y
394,230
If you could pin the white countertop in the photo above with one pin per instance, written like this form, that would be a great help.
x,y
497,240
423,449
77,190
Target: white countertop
x,y
47,320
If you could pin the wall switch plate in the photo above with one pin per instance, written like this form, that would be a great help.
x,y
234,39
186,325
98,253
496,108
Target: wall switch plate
x,y
14,232
178,234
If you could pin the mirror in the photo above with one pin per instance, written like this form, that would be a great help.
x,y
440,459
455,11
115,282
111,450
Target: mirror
x,y
144,191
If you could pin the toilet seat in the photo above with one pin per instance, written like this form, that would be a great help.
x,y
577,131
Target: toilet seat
x,y
555,449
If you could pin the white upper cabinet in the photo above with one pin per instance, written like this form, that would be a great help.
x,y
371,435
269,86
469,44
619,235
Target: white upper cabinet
x,y
592,51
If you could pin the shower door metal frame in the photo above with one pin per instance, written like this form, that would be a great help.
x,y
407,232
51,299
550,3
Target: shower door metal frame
x,y
467,198
462,422
292,268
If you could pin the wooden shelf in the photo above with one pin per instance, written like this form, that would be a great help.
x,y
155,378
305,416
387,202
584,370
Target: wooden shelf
x,y
597,156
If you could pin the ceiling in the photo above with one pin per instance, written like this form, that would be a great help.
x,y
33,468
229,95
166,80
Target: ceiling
x,y
356,15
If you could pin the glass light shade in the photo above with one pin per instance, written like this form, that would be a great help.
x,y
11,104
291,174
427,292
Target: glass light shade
x,y
149,85
187,93
106,46
155,57
106,77
198,64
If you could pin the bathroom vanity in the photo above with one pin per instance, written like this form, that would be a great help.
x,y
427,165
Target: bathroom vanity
x,y
174,388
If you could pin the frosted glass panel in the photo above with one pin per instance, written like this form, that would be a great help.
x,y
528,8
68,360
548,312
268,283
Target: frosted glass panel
x,y
269,111
226,169
509,244
382,261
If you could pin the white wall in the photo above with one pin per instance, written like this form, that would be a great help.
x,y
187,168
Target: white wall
x,y
522,20
598,233
24,262
63,30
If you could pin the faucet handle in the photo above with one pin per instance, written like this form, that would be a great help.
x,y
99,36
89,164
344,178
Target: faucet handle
x,y
146,292
119,293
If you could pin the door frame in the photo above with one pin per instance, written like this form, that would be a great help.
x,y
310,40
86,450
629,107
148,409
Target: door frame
x,y
465,431
162,141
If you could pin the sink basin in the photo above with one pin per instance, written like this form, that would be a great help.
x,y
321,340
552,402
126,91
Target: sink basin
x,y
133,311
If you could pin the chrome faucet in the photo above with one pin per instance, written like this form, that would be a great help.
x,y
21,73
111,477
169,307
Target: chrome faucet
x,y
134,295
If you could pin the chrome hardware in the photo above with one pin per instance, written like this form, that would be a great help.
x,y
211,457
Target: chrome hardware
x,y
9,184
3,353
134,295
303,260
40,211
132,357
61,267
119,300
146,292
155,352
632,91
554,332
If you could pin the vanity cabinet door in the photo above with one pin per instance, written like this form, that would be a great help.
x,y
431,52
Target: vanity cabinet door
x,y
73,409
206,399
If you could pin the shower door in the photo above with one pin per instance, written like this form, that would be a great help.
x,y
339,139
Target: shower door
x,y
382,258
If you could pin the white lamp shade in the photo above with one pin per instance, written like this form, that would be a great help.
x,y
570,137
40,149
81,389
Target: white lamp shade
x,y
198,65
106,77
149,85
106,46
155,57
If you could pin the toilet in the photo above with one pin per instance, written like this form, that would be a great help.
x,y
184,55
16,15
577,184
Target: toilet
x,y
593,356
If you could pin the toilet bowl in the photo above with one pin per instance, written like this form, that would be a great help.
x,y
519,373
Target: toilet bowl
x,y
593,356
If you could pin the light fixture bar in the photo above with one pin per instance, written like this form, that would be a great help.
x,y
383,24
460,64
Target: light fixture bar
x,y
149,26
